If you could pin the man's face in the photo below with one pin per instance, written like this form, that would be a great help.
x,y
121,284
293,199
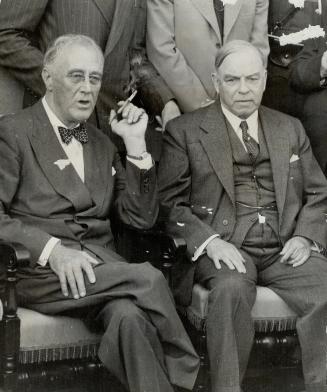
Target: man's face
x,y
241,80
73,82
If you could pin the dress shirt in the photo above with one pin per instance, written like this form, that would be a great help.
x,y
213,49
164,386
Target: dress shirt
x,y
74,152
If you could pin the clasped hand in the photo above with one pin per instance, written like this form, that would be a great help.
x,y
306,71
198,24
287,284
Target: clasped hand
x,y
70,265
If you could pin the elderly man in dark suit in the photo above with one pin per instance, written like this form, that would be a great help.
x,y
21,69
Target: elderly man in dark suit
x,y
60,177
118,26
239,182
309,77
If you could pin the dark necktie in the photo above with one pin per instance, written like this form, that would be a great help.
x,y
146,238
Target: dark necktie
x,y
79,133
219,10
251,145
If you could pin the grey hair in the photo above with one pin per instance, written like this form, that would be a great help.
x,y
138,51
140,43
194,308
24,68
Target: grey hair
x,y
235,46
64,41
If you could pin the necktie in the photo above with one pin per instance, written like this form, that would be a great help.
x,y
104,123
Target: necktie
x,y
219,10
79,133
250,144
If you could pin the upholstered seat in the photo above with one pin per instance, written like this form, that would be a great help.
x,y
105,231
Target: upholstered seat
x,y
270,313
52,338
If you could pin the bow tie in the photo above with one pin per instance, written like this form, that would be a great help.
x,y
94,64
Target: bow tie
x,y
79,133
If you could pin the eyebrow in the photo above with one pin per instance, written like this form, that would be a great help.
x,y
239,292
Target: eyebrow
x,y
81,71
239,76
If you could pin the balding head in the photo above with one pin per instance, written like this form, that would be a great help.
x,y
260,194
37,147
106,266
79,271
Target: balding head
x,y
235,47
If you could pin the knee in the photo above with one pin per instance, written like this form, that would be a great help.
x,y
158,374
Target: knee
x,y
152,276
232,289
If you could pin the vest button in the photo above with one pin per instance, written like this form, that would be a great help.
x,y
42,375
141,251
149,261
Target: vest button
x,y
225,222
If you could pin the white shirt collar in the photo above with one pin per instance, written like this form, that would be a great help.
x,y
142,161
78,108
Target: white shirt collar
x,y
235,121
54,120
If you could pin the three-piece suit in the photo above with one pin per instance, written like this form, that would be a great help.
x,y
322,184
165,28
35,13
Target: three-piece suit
x,y
205,181
144,343
183,38
117,26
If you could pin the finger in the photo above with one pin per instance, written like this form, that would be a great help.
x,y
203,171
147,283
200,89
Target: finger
x,y
79,279
159,120
237,255
217,263
126,110
138,115
286,252
239,266
87,267
72,283
90,258
301,261
63,283
228,262
296,256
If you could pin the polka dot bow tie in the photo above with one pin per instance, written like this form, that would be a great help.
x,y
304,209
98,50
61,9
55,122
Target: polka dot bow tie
x,y
79,133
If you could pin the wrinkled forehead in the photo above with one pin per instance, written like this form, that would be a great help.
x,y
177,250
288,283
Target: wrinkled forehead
x,y
79,56
243,62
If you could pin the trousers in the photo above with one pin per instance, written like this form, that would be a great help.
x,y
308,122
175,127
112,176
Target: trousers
x,y
144,343
230,327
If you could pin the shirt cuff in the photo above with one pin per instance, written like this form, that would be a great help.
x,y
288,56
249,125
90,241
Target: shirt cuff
x,y
201,249
44,257
144,164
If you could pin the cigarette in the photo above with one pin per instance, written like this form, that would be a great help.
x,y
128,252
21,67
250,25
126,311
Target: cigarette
x,y
128,100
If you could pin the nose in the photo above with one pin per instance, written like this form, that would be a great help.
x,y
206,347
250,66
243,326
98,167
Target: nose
x,y
243,89
86,86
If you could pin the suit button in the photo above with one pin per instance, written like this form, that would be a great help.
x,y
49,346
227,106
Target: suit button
x,y
225,222
218,45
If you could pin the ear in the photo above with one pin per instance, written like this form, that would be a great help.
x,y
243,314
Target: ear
x,y
214,78
47,78
265,76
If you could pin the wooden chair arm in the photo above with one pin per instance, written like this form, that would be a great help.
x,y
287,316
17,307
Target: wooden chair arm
x,y
12,255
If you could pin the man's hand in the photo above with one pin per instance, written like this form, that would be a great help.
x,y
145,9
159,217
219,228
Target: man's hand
x,y
69,265
131,127
219,250
296,251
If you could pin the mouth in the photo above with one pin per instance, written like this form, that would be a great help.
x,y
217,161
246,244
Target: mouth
x,y
84,103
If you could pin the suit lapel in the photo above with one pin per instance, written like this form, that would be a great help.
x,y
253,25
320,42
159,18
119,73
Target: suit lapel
x,y
207,10
278,147
102,5
122,15
48,150
215,141
230,15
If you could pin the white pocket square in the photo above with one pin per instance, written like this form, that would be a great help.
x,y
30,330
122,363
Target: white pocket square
x,y
62,163
294,158
113,171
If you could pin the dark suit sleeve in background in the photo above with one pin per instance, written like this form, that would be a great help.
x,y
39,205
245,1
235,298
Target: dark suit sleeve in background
x,y
305,69
18,21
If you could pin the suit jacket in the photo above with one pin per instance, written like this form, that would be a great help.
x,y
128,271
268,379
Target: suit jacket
x,y
28,26
38,199
183,38
196,184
